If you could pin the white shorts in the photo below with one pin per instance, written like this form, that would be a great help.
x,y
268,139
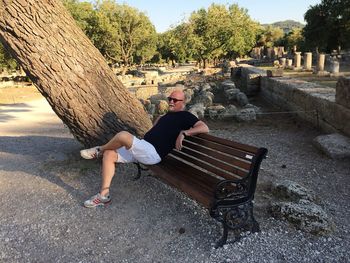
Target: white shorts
x,y
140,151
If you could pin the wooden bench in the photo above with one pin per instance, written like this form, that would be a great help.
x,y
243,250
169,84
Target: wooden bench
x,y
219,174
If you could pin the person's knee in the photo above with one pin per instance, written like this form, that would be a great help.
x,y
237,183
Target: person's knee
x,y
110,156
125,138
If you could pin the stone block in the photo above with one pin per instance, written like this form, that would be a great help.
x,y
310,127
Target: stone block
x,y
335,146
242,99
275,73
246,115
198,110
231,94
342,95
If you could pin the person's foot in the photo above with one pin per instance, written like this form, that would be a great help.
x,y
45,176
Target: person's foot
x,y
91,153
97,200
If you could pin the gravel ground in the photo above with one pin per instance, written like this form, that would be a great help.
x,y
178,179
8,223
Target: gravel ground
x,y
43,183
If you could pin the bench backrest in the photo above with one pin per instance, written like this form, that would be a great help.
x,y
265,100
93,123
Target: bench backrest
x,y
221,159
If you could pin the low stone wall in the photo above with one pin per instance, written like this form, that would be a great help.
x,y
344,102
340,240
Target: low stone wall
x,y
250,79
312,102
144,91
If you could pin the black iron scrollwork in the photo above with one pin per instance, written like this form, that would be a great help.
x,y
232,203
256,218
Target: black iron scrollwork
x,y
229,189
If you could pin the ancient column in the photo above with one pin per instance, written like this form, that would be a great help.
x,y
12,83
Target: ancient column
x,y
320,62
308,60
280,51
334,66
289,63
297,60
275,52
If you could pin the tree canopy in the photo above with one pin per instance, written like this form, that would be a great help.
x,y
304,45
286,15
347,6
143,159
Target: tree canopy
x,y
121,33
328,25
217,32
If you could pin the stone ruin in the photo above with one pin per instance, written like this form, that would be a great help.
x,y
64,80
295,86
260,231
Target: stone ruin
x,y
300,207
315,62
214,100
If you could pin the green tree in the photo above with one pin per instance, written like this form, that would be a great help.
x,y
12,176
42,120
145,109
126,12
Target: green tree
x,y
176,44
221,32
243,32
270,36
81,12
328,25
136,34
294,38
121,33
6,60
211,30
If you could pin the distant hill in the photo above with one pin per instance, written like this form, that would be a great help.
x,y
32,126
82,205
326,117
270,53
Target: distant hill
x,y
286,25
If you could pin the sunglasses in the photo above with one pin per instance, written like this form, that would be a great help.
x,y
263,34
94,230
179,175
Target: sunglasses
x,y
173,99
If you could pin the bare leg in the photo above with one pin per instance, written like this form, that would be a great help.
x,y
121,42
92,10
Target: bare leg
x,y
110,157
121,139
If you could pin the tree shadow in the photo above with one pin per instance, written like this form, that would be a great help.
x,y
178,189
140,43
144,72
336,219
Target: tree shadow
x,y
7,109
55,159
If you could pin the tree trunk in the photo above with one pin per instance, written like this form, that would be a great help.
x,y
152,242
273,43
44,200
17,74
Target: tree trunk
x,y
69,71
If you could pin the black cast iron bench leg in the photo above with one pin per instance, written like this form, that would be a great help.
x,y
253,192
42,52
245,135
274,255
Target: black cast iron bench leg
x,y
139,171
222,241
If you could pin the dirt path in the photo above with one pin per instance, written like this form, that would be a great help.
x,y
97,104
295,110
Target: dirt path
x,y
43,183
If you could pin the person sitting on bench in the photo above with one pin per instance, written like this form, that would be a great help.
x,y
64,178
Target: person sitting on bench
x,y
167,133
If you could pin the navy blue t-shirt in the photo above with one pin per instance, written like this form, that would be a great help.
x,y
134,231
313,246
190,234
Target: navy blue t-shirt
x,y
164,134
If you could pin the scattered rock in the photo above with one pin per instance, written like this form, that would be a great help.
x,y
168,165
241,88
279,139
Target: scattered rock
x,y
292,191
242,99
215,111
206,87
228,84
335,146
229,113
231,94
246,115
206,98
304,215
256,108
198,110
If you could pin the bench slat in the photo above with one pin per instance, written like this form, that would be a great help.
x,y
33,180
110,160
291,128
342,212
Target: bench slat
x,y
223,148
234,144
228,173
218,155
183,182
191,173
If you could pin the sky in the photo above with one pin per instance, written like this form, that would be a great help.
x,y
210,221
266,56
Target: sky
x,y
164,13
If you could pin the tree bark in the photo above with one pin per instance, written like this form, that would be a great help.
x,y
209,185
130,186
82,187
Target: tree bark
x,y
69,71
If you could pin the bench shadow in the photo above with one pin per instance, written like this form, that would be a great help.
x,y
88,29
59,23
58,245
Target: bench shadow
x,y
55,159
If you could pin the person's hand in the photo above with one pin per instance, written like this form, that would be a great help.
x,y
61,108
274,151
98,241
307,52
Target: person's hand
x,y
179,139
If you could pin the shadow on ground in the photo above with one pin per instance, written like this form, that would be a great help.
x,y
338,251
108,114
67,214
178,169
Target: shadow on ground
x,y
7,109
51,158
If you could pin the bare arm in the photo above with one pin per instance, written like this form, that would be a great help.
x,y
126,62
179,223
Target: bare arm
x,y
198,127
